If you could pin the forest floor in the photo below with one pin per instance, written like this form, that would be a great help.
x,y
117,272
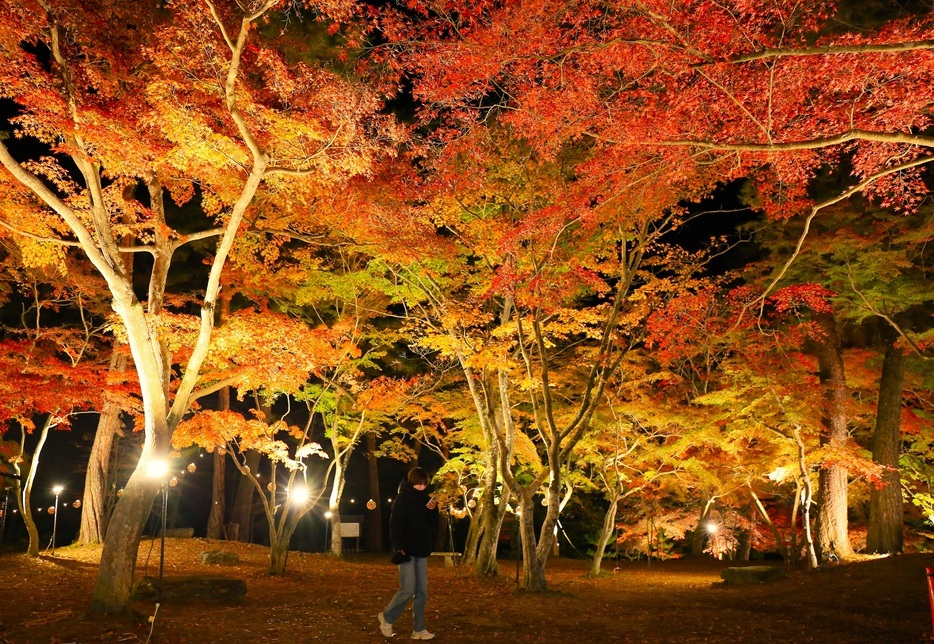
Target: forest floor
x,y
324,599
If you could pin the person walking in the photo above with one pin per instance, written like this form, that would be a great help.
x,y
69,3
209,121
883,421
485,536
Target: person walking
x,y
412,520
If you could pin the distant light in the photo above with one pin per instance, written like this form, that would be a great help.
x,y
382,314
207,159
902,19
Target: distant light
x,y
352,501
328,514
157,469
388,500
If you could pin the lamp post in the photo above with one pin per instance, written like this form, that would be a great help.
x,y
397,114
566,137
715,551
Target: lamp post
x,y
158,470
58,490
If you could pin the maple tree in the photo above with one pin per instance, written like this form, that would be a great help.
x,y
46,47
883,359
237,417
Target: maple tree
x,y
39,386
168,101
524,240
873,260
774,93
532,290
268,355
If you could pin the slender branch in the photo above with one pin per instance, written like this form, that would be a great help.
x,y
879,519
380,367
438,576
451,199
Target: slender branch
x,y
804,144
826,50
220,24
816,209
41,238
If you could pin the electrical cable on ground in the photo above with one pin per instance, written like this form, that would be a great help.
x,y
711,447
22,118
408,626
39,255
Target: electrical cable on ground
x,y
152,620
569,540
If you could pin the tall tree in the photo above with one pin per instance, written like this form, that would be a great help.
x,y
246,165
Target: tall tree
x,y
167,98
36,384
886,509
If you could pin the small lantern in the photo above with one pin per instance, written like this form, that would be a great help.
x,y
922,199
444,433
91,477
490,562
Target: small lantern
x,y
371,505
76,504
192,467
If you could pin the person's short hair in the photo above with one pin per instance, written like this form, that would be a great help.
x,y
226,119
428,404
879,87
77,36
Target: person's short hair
x,y
417,476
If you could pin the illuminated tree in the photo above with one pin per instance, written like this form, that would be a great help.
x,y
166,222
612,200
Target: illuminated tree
x,y
168,99
36,384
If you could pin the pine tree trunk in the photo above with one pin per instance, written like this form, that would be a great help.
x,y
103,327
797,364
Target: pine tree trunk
x,y
374,522
94,502
832,521
886,514
215,529
242,512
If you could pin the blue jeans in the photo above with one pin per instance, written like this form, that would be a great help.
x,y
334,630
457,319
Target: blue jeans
x,y
413,580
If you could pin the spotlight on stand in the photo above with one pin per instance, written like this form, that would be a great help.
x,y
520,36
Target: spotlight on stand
x,y
57,490
158,469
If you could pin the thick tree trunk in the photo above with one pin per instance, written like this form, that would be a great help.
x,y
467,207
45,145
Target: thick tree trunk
x,y
94,507
373,523
94,502
472,542
886,513
491,516
215,529
115,574
241,514
832,521
533,568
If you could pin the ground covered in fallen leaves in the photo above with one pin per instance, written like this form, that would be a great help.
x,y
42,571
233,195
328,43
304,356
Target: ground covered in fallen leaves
x,y
323,599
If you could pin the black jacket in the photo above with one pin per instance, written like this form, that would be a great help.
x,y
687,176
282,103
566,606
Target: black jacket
x,y
411,524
